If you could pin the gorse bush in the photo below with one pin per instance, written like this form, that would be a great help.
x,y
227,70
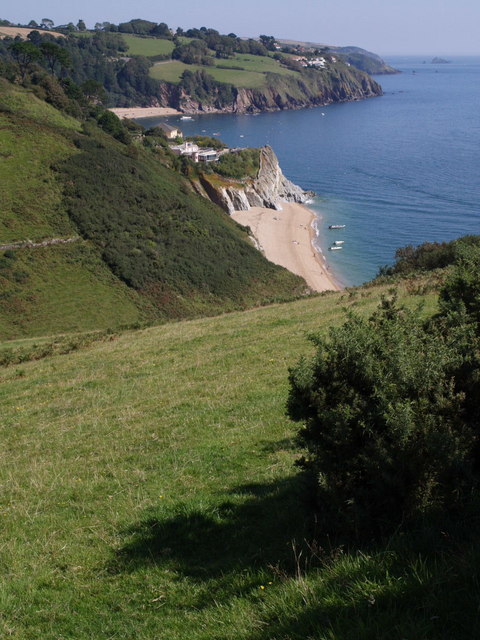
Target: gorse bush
x,y
389,419
428,256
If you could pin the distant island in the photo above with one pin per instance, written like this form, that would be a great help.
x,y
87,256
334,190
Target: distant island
x,y
440,61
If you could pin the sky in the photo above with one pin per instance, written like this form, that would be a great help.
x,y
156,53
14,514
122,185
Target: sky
x,y
387,27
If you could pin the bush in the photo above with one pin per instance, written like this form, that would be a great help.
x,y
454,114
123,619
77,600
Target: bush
x,y
427,256
386,425
241,164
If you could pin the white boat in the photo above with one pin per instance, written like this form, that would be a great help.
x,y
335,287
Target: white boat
x,y
339,242
186,118
334,248
336,226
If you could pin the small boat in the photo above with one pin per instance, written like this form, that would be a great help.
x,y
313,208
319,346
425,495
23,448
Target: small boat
x,y
339,242
186,118
215,134
334,247
336,226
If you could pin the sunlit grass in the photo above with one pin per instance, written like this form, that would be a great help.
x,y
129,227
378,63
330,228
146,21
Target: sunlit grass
x,y
149,491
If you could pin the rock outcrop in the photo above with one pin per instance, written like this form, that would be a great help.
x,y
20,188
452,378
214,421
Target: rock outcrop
x,y
268,189
340,83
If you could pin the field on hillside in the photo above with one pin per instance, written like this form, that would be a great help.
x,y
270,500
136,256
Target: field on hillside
x,y
149,492
147,47
249,74
13,32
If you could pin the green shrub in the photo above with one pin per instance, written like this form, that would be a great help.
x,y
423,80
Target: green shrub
x,y
427,256
386,424
242,164
461,293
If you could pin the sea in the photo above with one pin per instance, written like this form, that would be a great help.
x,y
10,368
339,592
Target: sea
x,y
396,170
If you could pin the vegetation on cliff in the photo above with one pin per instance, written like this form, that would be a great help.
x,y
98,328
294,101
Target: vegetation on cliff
x,y
195,70
149,248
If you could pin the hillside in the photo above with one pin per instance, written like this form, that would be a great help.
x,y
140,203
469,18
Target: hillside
x,y
145,246
149,491
360,58
143,64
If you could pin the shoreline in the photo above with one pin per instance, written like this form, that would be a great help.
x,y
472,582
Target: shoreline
x,y
286,237
144,112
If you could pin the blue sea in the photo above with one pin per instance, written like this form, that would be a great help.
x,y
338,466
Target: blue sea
x,y
396,170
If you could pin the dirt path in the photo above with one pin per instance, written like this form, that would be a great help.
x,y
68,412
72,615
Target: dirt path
x,y
28,244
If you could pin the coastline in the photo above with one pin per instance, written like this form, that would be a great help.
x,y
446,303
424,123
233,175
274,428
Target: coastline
x,y
286,237
144,112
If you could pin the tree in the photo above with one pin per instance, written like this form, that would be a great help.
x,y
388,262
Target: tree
x,y
385,418
46,23
25,53
268,42
113,125
54,54
161,30
81,26
33,24
93,91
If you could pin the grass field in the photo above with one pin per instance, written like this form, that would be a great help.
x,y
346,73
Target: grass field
x,y
149,492
138,46
28,188
251,75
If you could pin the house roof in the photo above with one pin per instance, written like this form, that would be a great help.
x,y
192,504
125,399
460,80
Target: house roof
x,y
167,127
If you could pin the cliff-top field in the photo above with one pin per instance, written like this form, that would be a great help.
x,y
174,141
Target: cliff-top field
x,y
242,70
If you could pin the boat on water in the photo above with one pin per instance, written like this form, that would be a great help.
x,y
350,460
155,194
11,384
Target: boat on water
x,y
339,242
337,226
186,118
335,247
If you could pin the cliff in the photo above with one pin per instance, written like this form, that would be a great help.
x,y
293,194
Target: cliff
x,y
307,88
268,189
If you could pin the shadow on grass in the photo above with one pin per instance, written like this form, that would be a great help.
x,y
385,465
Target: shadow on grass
x,y
412,586
255,529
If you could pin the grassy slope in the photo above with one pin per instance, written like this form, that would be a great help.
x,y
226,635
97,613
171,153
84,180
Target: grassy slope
x,y
186,257
147,47
149,492
251,75
66,287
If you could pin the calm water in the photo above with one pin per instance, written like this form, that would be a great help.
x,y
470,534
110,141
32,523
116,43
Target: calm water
x,y
400,169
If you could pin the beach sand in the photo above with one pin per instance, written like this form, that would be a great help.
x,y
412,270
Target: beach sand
x,y
286,238
144,112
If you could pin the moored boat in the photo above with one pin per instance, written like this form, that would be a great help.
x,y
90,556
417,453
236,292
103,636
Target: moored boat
x,y
336,226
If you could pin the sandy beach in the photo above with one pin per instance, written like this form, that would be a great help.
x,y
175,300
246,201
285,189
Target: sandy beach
x,y
144,112
286,238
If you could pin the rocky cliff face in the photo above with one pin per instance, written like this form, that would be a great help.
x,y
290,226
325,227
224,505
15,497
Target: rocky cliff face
x,y
268,189
340,83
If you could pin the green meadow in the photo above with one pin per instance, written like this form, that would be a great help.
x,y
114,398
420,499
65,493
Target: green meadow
x,y
148,47
149,491
246,71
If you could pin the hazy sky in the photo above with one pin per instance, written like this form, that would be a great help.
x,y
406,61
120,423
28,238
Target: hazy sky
x,y
430,27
